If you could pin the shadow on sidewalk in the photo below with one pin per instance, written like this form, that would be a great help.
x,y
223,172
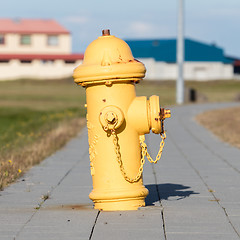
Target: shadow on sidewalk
x,y
167,191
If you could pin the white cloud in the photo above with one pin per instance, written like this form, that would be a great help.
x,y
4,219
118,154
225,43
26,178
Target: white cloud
x,y
77,19
143,29
226,12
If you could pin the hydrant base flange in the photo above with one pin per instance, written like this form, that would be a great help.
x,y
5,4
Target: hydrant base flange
x,y
120,205
119,199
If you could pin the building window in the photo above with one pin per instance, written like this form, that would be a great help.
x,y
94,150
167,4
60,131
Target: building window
x,y
26,61
4,61
52,40
2,39
25,40
237,69
70,61
47,61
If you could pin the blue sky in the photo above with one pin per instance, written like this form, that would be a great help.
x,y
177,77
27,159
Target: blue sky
x,y
210,21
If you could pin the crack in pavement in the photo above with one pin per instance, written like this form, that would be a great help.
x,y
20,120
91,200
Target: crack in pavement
x,y
160,202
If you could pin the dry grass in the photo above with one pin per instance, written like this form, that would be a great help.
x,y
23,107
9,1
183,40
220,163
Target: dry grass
x,y
36,118
42,95
18,162
224,123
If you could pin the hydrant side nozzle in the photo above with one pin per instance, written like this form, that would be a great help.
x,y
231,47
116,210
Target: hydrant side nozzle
x,y
154,114
137,115
111,117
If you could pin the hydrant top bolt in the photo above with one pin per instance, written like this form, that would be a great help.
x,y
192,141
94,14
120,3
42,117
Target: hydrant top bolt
x,y
105,32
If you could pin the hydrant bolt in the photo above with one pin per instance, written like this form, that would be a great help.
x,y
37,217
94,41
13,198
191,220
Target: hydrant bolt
x,y
111,117
167,113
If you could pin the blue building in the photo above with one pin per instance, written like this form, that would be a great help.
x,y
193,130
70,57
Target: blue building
x,y
202,61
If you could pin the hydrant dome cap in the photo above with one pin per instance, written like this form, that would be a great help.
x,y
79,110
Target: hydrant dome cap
x,y
108,57
116,49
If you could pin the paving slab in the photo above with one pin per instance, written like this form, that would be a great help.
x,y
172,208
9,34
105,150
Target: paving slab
x,y
194,191
208,180
142,224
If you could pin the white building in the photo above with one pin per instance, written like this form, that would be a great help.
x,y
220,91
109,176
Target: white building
x,y
202,61
38,49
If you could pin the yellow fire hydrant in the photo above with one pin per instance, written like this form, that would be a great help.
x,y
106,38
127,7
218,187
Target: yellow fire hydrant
x,y
117,121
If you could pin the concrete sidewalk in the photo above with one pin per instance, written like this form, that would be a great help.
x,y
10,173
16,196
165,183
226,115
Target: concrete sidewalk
x,y
194,191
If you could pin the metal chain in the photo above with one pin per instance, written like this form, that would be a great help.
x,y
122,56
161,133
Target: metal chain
x,y
145,152
119,159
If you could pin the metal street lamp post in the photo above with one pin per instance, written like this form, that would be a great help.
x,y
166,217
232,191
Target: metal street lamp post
x,y
180,55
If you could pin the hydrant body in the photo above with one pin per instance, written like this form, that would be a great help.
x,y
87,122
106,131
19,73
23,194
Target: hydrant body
x,y
116,119
110,190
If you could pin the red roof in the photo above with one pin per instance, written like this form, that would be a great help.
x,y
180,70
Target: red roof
x,y
28,26
76,56
237,63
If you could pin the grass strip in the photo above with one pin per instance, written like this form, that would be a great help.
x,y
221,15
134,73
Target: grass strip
x,y
28,136
224,123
